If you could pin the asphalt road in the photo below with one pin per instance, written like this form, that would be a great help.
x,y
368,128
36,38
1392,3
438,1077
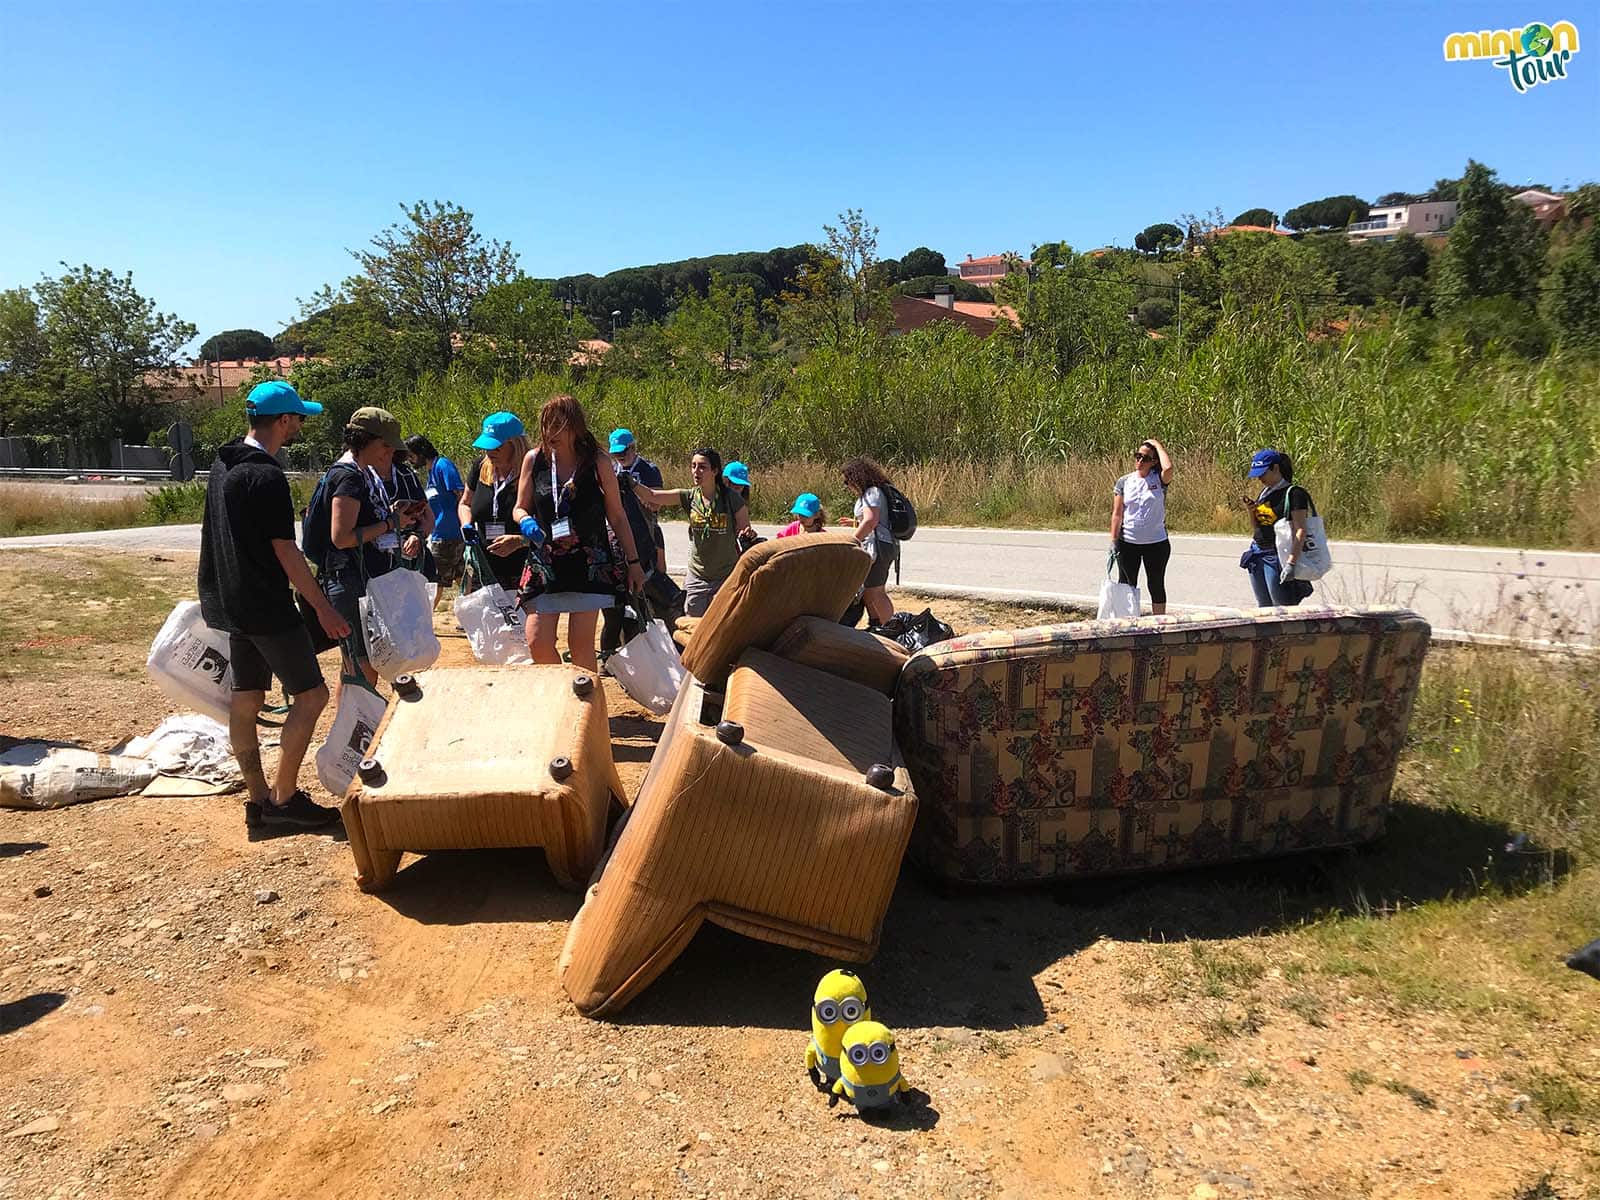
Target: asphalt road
x,y
1483,591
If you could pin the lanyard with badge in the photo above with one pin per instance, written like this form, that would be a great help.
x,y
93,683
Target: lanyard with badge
x,y
389,541
561,503
495,527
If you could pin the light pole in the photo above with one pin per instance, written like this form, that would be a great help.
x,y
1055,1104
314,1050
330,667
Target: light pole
x,y
615,313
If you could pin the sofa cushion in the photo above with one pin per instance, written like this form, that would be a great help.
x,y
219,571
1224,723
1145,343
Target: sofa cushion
x,y
852,654
799,710
772,584
1111,746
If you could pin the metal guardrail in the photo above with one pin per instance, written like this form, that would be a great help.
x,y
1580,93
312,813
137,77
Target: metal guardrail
x,y
91,475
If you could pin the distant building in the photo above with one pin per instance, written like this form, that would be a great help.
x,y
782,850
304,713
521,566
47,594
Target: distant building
x,y
218,380
1548,207
913,313
988,271
1387,222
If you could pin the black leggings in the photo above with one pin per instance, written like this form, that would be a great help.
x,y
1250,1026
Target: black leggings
x,y
1154,556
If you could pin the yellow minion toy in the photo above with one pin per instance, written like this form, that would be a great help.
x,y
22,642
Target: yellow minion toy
x,y
869,1068
840,1001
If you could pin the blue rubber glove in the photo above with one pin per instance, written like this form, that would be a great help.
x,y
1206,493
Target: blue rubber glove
x,y
469,534
531,531
1285,574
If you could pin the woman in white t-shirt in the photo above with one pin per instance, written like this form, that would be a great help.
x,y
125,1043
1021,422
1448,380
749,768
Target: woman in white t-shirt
x,y
1139,521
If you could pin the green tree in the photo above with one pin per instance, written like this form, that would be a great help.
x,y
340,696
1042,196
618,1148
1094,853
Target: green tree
x,y
1069,310
1571,301
519,329
110,349
922,261
428,271
1332,212
1154,239
237,344
1495,247
838,293
24,353
721,331
1256,216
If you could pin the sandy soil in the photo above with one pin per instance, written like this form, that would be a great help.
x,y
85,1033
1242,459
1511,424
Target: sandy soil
x,y
191,1013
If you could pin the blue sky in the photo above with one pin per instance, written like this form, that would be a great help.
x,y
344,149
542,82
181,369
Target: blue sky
x,y
229,155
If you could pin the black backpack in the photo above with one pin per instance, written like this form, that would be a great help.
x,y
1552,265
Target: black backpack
x,y
316,527
902,514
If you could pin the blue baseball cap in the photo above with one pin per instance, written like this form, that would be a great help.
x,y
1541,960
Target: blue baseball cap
x,y
274,397
1263,461
806,504
737,472
621,439
498,429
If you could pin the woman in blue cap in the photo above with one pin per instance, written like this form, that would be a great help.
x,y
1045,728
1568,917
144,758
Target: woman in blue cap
x,y
1274,581
487,507
808,514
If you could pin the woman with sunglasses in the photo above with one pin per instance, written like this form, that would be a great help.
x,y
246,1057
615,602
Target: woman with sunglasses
x,y
1139,521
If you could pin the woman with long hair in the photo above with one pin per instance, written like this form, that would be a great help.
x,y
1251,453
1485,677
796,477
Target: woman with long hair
x,y
1139,521
718,519
866,479
567,497
487,505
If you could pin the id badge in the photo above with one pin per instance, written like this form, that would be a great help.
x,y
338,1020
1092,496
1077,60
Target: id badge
x,y
494,529
431,493
561,529
389,542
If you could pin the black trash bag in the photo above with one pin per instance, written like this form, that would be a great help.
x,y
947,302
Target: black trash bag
x,y
916,632
1587,960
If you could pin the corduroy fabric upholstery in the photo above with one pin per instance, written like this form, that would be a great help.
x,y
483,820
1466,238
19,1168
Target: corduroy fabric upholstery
x,y
1105,747
810,714
769,843
468,766
772,584
852,654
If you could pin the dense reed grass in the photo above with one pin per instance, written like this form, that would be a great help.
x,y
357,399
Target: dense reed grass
x,y
1398,432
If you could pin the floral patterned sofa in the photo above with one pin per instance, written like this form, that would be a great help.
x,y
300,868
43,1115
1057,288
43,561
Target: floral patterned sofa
x,y
1106,747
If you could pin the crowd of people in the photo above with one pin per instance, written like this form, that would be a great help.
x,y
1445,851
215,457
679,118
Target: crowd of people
x,y
564,525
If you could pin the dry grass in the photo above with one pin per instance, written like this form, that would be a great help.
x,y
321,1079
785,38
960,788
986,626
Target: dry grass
x,y
25,510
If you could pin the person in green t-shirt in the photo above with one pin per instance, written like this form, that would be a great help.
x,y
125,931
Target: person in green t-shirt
x,y
717,516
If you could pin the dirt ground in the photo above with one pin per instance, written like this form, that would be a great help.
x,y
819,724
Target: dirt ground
x,y
188,1012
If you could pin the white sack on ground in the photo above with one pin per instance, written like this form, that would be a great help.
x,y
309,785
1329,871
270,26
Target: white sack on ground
x,y
54,775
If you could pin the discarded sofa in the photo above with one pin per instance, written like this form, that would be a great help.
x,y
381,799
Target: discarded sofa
x,y
776,804
488,757
1107,747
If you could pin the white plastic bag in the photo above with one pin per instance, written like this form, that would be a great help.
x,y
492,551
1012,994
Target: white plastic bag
x,y
1117,599
1314,560
397,621
51,775
354,726
188,661
494,626
648,668
190,745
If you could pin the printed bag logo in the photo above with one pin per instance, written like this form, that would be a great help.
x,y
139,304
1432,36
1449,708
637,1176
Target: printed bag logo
x,y
207,660
1535,54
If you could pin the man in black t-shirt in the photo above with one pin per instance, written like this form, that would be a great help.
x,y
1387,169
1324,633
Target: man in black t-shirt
x,y
248,561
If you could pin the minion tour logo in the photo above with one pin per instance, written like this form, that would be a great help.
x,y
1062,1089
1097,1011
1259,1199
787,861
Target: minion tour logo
x,y
1532,55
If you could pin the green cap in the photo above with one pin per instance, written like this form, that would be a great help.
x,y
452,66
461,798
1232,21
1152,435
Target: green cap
x,y
380,423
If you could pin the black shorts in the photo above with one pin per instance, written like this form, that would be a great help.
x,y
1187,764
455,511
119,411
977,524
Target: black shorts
x,y
878,573
257,657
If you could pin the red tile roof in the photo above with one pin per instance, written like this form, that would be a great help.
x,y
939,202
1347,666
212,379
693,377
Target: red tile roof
x,y
911,313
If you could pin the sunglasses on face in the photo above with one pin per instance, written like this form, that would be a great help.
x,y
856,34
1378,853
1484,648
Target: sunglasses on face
x,y
1141,456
